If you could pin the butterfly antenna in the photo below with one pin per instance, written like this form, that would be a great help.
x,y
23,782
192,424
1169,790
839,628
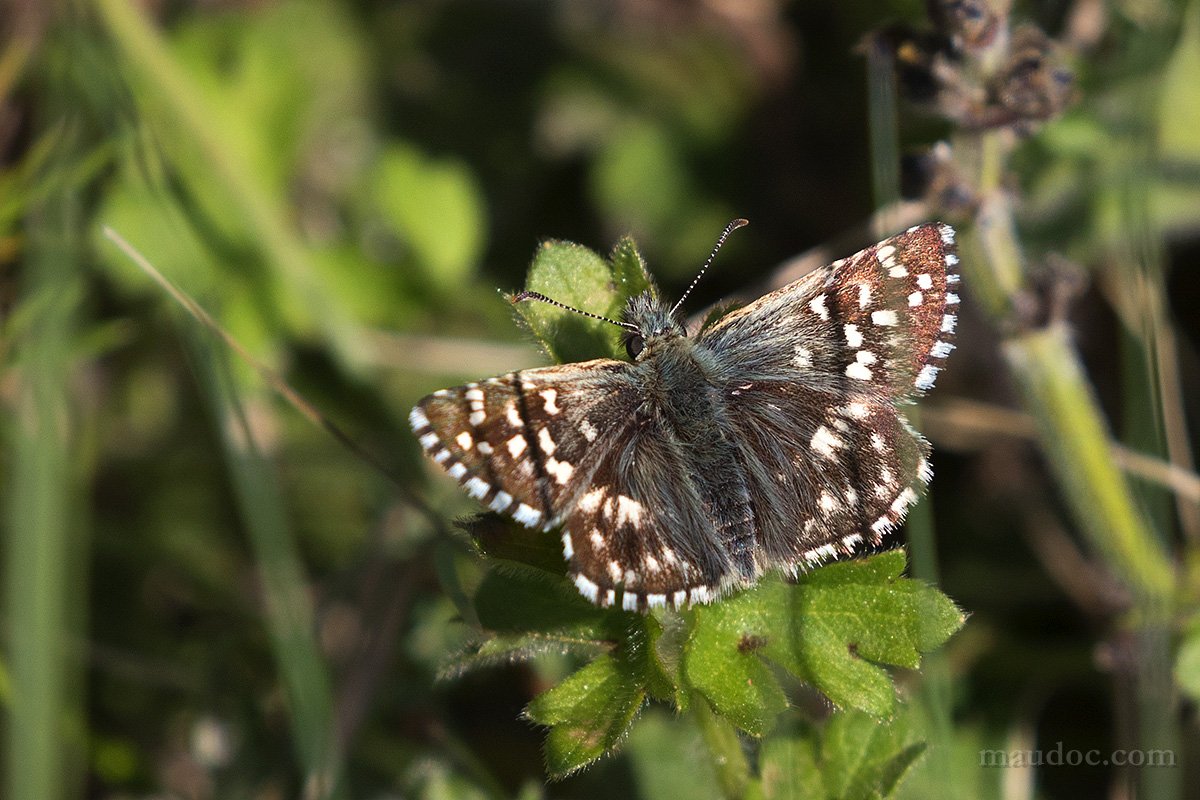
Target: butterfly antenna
x,y
730,228
539,296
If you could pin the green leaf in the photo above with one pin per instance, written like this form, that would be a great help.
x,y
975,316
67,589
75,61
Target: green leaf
x,y
436,207
519,598
502,539
723,664
575,276
588,713
853,758
513,648
629,272
789,769
833,630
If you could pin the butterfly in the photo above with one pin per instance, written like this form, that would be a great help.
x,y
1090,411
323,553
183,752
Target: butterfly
x,y
771,440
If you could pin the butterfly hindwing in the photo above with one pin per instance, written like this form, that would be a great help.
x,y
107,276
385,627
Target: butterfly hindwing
x,y
641,528
829,476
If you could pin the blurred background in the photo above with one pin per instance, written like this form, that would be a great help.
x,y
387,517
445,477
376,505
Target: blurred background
x,y
206,594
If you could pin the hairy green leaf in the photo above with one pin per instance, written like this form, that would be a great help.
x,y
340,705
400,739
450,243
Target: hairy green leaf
x,y
854,757
588,713
832,629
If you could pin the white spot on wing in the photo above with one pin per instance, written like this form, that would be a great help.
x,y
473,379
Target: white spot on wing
x,y
588,430
629,601
546,442
561,470
864,295
858,371
941,349
927,376
628,510
948,321
476,488
853,337
485,448
591,500
429,440
587,588
464,440
951,298
858,410
817,304
886,317
828,502
549,396
476,418
417,419
513,416
527,515
915,299
924,281
501,501
457,471
803,356
824,442
568,548
516,446
656,600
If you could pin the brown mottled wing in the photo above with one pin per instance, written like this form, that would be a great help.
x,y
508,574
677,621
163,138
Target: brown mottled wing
x,y
575,445
878,324
814,372
526,443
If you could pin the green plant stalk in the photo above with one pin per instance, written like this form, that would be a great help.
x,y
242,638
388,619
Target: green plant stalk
x,y
142,47
724,749
1057,393
41,507
289,613
1076,442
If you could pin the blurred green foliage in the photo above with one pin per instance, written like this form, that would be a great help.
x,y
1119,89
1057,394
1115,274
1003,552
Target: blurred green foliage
x,y
206,596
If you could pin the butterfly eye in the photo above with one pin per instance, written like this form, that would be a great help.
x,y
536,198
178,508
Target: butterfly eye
x,y
634,345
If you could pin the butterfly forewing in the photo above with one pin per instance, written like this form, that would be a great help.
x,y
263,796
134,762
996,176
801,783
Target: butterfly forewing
x,y
510,443
878,324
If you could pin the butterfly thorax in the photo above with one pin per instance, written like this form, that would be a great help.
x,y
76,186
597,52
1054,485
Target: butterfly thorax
x,y
685,407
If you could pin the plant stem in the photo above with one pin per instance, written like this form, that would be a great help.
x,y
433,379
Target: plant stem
x,y
724,747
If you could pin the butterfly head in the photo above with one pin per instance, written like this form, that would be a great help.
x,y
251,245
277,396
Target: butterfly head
x,y
647,324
